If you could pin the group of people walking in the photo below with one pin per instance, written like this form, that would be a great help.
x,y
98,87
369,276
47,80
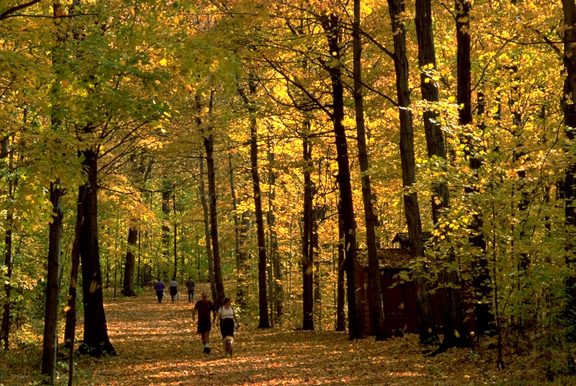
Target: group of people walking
x,y
206,312
159,287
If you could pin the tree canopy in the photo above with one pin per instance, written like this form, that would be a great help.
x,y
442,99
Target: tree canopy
x,y
222,140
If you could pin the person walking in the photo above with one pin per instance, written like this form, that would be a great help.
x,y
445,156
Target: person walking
x,y
228,321
205,309
191,286
173,288
159,287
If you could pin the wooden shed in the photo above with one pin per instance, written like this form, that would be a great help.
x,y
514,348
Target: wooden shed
x,y
399,295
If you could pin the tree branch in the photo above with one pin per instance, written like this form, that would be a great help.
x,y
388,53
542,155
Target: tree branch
x,y
16,8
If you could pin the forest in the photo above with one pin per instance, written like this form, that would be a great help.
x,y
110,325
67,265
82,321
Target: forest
x,y
400,169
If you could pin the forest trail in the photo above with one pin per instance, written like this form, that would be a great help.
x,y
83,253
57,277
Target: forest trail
x,y
157,344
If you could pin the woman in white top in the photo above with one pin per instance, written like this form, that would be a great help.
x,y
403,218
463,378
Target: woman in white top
x,y
228,318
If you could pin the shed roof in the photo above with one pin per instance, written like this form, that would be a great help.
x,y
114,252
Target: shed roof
x,y
388,257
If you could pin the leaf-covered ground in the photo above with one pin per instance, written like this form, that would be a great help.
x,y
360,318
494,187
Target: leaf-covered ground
x,y
157,345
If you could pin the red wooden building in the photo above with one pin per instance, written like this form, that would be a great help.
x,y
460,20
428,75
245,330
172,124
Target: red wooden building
x,y
399,295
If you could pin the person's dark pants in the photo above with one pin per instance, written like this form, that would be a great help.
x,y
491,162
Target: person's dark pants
x,y
159,295
173,292
227,327
190,295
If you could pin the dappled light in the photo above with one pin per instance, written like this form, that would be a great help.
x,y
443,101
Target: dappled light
x,y
158,344
384,190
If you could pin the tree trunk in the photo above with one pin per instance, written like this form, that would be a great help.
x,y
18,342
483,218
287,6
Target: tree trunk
x,y
374,283
174,235
277,277
569,109
482,282
50,343
264,321
70,327
411,206
5,333
55,232
332,29
166,196
340,292
455,332
307,236
243,263
429,89
241,227
96,341
262,295
205,211
206,204
208,139
128,284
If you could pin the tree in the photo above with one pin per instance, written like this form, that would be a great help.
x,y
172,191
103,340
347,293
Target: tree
x,y
208,140
128,282
430,93
410,198
569,111
50,342
332,30
374,281
96,341
264,320
166,195
276,277
307,233
8,259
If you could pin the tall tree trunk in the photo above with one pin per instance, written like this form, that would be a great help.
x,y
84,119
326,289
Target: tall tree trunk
x,y
264,321
429,89
332,29
55,232
482,282
374,281
208,139
307,235
569,189
70,327
49,340
242,261
411,206
241,227
277,277
569,110
50,343
455,332
166,196
128,283
96,341
340,290
208,238
5,333
175,235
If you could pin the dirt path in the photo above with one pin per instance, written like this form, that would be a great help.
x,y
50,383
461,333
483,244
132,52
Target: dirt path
x,y
157,345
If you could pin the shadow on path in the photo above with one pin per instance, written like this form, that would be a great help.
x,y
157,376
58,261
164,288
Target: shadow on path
x,y
158,345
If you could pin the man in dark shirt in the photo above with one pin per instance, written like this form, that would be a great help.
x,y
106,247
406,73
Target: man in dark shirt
x,y
204,308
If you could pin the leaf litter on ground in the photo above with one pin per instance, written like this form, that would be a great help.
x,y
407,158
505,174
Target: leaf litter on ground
x,y
157,344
